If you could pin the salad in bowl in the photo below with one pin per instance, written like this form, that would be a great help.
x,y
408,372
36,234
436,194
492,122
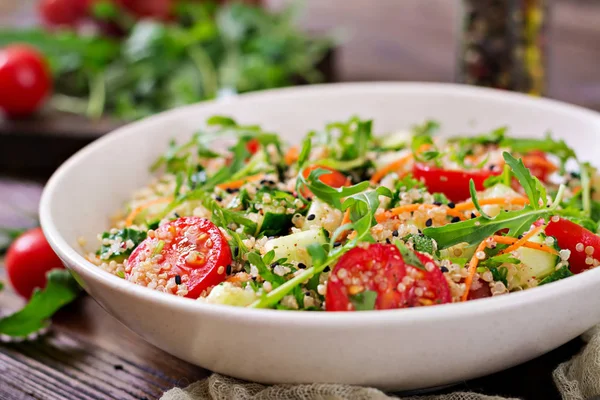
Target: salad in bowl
x,y
352,221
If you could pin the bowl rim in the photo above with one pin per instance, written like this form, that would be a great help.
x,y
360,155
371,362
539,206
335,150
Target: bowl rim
x,y
271,316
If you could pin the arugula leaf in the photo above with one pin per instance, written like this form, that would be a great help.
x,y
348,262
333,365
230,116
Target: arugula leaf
x,y
325,192
475,230
354,139
409,257
475,200
427,155
494,137
533,187
561,273
110,252
427,128
264,271
500,274
60,290
364,301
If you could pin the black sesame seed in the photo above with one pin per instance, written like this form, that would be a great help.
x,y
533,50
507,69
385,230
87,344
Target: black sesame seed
x,y
228,270
520,237
311,217
271,182
337,244
307,293
177,215
420,231
429,222
455,219
327,269
451,205
444,269
263,181
395,233
301,265
388,241
273,265
309,198
178,279
236,251
230,190
254,278
492,167
218,198
437,203
473,215
118,367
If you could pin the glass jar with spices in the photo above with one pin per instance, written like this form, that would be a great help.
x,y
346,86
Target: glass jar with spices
x,y
502,44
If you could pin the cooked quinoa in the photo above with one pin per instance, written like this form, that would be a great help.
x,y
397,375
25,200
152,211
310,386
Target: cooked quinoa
x,y
353,221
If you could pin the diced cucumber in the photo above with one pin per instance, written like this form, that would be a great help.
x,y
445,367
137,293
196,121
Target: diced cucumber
x,y
460,250
396,140
226,293
535,263
294,247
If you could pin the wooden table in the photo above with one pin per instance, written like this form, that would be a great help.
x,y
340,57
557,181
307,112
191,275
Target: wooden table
x,y
90,355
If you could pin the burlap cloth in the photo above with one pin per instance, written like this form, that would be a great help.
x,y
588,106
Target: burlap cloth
x,y
576,379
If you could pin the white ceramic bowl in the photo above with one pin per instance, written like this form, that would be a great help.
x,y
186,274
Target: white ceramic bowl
x,y
396,349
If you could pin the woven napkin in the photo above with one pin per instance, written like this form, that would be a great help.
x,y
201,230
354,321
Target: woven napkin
x,y
576,379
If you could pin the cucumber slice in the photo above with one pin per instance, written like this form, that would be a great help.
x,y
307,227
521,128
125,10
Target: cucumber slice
x,y
294,247
226,293
396,140
535,263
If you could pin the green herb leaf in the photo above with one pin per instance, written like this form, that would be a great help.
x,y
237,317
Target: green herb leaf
x,y
264,271
60,290
325,192
475,200
548,145
119,253
532,186
421,243
408,255
364,301
504,178
428,128
561,273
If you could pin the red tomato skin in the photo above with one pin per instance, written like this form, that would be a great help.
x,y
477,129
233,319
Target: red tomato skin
x,y
25,80
61,12
542,172
157,9
28,260
201,277
252,146
453,183
568,235
385,262
334,179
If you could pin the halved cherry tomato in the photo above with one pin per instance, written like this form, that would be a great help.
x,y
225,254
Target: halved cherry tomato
x,y
481,292
252,146
25,80
539,165
334,179
578,240
62,12
28,260
380,268
192,249
453,183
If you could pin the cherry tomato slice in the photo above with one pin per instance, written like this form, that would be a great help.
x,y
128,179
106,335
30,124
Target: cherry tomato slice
x,y
189,249
539,165
334,179
380,268
453,183
578,240
25,80
28,260
252,146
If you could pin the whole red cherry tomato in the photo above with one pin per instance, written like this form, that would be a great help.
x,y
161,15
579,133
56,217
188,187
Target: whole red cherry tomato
x,y
62,12
25,80
28,260
583,244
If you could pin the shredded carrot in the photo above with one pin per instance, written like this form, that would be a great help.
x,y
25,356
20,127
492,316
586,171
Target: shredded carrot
x,y
577,190
384,216
410,208
414,207
238,278
529,245
345,220
240,182
472,269
389,168
523,240
136,211
467,205
292,155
